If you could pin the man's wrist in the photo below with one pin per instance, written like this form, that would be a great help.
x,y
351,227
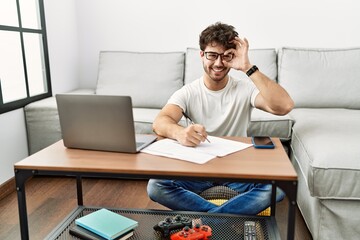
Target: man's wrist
x,y
251,70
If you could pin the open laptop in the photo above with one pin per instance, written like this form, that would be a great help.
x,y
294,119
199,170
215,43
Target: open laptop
x,y
99,122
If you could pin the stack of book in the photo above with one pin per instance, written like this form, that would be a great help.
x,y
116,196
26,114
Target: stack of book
x,y
103,224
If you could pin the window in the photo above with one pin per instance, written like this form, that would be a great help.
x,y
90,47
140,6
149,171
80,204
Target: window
x,y
24,63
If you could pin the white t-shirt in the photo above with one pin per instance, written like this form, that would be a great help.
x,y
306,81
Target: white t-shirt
x,y
223,113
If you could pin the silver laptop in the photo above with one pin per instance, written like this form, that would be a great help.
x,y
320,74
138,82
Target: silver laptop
x,y
99,122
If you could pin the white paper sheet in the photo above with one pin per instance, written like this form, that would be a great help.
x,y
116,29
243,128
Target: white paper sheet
x,y
218,147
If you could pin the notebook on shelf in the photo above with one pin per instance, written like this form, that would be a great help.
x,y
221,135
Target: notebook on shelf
x,y
99,122
107,224
84,234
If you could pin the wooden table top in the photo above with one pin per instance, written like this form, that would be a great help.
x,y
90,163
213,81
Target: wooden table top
x,y
250,163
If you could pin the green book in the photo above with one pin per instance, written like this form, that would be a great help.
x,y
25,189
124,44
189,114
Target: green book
x,y
106,224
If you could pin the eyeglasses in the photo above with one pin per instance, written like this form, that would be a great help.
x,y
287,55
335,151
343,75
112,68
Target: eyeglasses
x,y
213,56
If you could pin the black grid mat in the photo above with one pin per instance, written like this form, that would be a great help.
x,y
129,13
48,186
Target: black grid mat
x,y
224,226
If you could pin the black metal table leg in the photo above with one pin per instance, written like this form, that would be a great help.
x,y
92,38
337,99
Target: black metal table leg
x,y
79,190
290,188
273,198
292,211
20,178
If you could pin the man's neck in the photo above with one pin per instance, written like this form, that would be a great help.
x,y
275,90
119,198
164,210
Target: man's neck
x,y
215,85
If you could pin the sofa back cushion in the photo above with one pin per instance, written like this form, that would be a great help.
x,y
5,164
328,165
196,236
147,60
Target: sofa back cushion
x,y
319,78
149,78
265,59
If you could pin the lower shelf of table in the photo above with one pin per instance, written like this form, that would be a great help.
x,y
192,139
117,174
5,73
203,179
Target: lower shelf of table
x,y
224,226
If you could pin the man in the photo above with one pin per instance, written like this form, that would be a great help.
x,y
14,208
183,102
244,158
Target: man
x,y
221,106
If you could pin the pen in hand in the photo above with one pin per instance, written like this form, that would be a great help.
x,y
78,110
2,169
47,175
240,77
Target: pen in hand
x,y
192,122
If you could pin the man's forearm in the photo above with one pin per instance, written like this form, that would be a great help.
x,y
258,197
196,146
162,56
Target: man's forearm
x,y
275,96
166,127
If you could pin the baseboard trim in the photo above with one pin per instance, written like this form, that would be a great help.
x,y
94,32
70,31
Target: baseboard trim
x,y
7,188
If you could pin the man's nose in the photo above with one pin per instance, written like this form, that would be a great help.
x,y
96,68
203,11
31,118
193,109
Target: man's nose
x,y
219,61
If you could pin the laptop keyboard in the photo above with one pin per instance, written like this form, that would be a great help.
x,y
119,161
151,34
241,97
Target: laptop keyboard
x,y
138,144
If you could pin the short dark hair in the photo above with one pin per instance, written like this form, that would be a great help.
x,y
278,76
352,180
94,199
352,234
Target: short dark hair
x,y
219,33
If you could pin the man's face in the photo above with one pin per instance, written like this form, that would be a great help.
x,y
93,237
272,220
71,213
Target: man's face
x,y
214,69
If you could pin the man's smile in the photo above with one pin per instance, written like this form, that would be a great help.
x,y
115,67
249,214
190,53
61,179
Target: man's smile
x,y
218,69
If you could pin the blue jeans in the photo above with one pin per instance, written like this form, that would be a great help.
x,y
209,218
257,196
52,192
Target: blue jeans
x,y
183,196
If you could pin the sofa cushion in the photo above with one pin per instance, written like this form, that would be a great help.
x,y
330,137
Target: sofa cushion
x,y
321,77
143,119
140,75
266,124
265,59
327,151
42,124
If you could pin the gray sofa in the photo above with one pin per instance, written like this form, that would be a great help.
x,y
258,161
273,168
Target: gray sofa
x,y
321,131
325,148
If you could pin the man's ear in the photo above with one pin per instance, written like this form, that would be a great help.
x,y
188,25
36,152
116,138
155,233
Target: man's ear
x,y
202,53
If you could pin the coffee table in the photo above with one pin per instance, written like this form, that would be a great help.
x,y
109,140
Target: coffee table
x,y
270,166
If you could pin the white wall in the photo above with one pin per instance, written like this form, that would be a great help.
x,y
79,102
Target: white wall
x,y
162,25
13,143
63,44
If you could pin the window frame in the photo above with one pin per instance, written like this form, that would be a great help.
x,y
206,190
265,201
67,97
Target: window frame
x,y
13,105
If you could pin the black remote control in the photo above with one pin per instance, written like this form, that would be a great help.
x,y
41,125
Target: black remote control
x,y
249,230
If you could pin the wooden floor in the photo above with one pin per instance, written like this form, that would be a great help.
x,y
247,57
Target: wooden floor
x,y
51,199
